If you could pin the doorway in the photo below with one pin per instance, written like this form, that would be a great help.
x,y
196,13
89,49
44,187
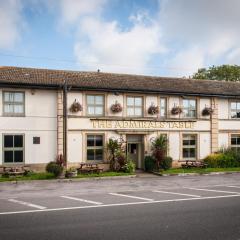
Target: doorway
x,y
135,149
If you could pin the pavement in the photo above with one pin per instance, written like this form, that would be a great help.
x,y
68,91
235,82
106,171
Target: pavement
x,y
145,207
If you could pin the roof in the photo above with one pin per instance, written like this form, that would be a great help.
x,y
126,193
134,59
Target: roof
x,y
47,78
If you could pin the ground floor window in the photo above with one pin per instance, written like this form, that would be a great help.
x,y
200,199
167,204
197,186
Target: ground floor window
x,y
235,142
13,148
189,146
95,147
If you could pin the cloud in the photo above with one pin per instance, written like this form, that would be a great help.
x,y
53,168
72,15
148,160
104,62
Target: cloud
x,y
11,23
210,29
111,48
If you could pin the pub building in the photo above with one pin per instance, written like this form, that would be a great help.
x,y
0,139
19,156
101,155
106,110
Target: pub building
x,y
45,113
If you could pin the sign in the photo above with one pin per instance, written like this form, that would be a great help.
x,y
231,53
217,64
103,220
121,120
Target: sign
x,y
131,124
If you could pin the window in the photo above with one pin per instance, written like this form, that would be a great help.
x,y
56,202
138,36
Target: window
x,y
163,107
13,148
13,103
189,108
94,147
235,142
235,109
95,105
189,146
36,140
134,106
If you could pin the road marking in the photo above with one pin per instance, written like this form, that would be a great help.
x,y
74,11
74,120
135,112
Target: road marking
x,y
233,186
211,190
26,203
130,196
81,200
183,194
117,204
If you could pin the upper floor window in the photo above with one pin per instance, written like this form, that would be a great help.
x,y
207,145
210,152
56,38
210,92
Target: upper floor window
x,y
13,148
189,108
163,107
95,105
235,142
235,109
135,106
13,103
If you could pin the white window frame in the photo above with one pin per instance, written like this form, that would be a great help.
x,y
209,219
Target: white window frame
x,y
134,106
234,110
163,108
189,108
190,146
95,104
235,146
13,114
13,148
95,147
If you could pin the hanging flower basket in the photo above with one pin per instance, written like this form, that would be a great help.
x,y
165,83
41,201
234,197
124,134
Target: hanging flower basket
x,y
76,107
176,110
153,109
116,107
207,111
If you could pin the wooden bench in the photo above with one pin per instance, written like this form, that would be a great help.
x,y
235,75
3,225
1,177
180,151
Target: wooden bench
x,y
193,164
14,170
89,168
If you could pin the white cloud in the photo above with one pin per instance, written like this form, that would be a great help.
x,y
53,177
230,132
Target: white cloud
x,y
11,23
111,48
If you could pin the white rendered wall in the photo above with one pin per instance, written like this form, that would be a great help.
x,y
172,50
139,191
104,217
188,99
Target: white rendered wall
x,y
223,140
39,121
204,145
223,108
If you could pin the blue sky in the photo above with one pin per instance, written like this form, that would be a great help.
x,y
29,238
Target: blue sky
x,y
154,37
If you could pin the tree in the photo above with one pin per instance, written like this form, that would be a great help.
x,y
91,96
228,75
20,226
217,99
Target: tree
x,y
223,72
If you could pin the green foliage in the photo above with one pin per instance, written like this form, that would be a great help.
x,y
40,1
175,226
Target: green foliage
x,y
166,163
53,167
226,158
150,163
114,148
130,167
223,72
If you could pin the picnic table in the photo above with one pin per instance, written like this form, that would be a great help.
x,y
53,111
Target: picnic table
x,y
89,168
193,164
14,170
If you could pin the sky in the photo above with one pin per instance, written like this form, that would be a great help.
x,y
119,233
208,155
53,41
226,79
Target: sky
x,y
151,37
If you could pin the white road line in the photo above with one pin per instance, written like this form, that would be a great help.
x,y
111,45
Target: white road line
x,y
81,200
130,196
211,190
26,203
233,186
183,194
117,204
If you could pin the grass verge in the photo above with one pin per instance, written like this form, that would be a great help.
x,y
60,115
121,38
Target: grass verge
x,y
199,170
45,176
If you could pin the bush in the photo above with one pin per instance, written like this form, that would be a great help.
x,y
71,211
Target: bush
x,y
213,160
166,163
149,163
129,167
53,167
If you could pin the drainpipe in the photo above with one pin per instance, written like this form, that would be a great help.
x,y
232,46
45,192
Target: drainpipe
x,y
65,121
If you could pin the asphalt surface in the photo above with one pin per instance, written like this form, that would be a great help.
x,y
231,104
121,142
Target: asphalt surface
x,y
204,207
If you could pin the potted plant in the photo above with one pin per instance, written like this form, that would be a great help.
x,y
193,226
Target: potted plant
x,y
207,111
153,109
176,110
75,107
116,107
71,172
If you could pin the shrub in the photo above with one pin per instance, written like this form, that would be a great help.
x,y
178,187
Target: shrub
x,y
53,167
149,163
213,160
166,163
129,167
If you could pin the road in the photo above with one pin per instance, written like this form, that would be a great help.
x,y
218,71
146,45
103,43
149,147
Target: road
x,y
201,207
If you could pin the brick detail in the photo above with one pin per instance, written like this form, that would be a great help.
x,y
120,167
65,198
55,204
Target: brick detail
x,y
59,122
214,125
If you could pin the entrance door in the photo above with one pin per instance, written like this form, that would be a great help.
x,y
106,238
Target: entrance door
x,y
133,152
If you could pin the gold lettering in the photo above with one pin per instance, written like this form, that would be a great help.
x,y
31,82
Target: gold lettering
x,y
95,124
